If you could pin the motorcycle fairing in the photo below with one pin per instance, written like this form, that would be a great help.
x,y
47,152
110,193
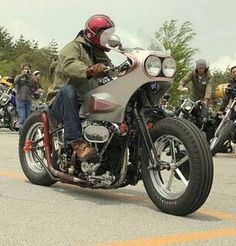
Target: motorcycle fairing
x,y
118,92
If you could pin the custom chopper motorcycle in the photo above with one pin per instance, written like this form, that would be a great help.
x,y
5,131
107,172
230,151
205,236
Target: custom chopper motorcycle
x,y
123,121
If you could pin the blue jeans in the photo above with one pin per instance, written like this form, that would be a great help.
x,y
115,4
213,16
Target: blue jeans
x,y
24,109
65,109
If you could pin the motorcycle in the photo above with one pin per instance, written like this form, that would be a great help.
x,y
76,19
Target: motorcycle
x,y
165,105
133,138
198,113
226,129
8,113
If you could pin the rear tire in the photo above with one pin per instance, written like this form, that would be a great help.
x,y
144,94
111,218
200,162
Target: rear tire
x,y
32,169
195,189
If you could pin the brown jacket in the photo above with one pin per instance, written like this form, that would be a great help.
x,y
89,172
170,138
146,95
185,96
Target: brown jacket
x,y
200,88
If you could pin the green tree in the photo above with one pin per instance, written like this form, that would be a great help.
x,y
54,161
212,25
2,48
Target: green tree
x,y
6,49
219,77
178,41
14,53
6,42
53,50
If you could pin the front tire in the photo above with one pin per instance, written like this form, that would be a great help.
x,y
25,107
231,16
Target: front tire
x,y
183,188
218,140
33,170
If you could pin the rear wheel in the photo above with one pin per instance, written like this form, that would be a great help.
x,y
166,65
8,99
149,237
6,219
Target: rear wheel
x,y
183,183
34,171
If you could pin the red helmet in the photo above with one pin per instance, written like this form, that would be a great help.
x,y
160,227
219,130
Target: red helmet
x,y
92,27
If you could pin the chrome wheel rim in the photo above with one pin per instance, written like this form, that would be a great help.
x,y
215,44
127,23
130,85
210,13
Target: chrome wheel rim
x,y
171,182
34,133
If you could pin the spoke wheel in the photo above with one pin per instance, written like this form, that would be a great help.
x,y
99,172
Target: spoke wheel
x,y
184,180
34,171
171,183
34,133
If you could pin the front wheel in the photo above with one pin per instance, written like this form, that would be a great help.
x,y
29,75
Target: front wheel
x,y
221,137
184,181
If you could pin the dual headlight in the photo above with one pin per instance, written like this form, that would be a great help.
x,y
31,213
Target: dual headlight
x,y
154,66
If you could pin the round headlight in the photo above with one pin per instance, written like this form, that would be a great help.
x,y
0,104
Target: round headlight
x,y
169,67
188,105
153,66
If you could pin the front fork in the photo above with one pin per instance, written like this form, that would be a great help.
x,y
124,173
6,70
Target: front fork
x,y
226,117
150,147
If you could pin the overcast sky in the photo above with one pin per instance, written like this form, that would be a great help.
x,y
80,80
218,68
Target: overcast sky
x,y
44,20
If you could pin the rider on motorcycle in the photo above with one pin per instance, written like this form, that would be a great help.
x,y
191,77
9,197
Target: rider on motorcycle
x,y
226,99
231,85
80,63
201,84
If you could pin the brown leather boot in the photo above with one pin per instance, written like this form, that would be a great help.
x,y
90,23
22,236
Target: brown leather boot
x,y
83,150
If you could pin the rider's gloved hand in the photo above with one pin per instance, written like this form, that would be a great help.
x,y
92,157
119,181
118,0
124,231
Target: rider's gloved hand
x,y
181,88
220,113
207,101
96,70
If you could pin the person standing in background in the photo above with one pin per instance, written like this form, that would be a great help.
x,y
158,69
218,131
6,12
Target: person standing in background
x,y
25,88
38,88
36,75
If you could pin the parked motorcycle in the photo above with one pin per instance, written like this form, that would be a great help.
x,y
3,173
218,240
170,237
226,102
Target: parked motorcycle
x,y
8,113
226,127
133,138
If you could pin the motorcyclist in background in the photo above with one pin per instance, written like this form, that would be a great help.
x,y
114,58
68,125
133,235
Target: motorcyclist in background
x,y
231,85
80,62
201,84
226,99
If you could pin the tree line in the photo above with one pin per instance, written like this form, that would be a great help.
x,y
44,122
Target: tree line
x,y
13,53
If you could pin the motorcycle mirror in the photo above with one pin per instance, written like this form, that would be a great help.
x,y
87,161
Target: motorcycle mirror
x,y
114,41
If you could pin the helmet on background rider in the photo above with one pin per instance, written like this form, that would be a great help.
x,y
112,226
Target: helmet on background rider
x,y
222,90
201,63
7,81
93,27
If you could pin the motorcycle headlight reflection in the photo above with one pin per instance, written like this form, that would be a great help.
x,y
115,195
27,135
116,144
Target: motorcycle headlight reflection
x,y
169,67
153,66
188,105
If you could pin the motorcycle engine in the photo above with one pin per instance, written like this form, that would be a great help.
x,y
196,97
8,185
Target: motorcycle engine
x,y
96,134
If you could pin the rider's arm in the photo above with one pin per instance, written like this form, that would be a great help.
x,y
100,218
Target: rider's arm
x,y
70,60
183,82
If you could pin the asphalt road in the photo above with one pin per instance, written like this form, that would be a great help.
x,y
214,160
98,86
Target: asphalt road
x,y
68,215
